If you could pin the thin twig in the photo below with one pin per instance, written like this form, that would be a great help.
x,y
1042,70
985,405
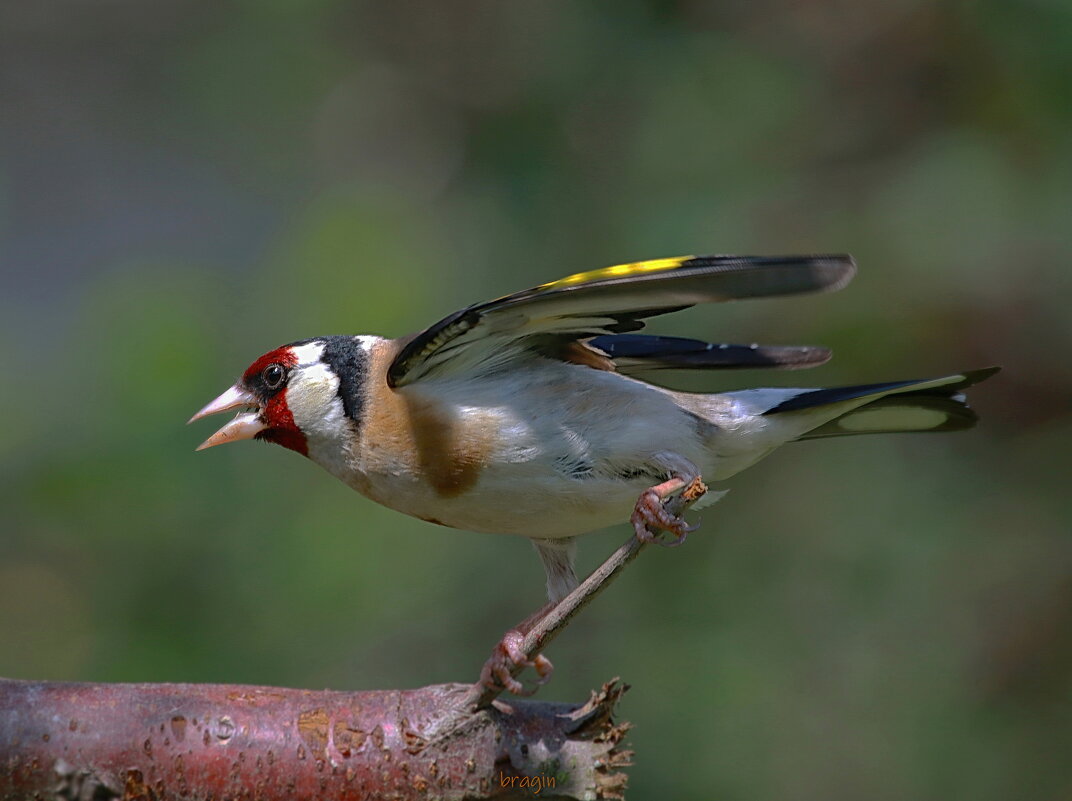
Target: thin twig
x,y
558,617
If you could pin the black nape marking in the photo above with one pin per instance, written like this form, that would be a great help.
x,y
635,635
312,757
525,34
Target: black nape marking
x,y
349,361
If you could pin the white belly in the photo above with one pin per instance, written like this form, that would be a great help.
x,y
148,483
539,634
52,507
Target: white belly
x,y
572,450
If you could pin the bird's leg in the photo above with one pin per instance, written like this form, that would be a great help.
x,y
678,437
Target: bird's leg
x,y
650,517
509,657
512,653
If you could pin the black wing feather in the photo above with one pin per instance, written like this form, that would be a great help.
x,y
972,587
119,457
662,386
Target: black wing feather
x,y
640,353
612,300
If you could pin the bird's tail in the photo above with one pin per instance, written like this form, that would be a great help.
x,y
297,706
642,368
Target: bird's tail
x,y
749,424
936,404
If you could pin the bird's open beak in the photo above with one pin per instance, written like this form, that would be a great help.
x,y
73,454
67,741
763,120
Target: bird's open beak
x,y
245,425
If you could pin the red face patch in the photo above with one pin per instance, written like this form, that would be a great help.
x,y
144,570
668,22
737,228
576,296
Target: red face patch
x,y
282,429
276,414
284,356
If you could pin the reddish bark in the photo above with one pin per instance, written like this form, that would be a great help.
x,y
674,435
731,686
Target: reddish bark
x,y
182,741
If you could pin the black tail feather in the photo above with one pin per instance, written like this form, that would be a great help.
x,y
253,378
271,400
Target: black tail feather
x,y
933,408
822,397
897,414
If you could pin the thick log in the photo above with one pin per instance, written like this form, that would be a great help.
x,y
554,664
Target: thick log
x,y
155,742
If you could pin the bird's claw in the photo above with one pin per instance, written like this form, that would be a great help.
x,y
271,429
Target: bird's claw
x,y
650,519
509,656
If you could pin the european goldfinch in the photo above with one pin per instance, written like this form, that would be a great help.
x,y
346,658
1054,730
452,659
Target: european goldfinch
x,y
524,415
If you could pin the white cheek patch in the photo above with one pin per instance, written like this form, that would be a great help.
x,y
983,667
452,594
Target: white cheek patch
x,y
314,401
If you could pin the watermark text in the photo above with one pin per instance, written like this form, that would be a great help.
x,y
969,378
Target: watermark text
x,y
534,784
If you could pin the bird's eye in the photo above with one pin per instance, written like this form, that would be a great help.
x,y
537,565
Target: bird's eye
x,y
274,375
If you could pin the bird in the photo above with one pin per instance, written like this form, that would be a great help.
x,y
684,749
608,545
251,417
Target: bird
x,y
536,414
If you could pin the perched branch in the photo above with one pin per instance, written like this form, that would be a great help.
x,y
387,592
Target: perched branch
x,y
182,741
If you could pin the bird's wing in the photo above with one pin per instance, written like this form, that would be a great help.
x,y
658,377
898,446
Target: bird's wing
x,y
640,353
550,318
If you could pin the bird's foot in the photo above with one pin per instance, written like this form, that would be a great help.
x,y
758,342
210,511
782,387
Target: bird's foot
x,y
507,658
650,517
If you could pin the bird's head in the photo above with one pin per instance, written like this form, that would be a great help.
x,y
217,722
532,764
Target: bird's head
x,y
305,395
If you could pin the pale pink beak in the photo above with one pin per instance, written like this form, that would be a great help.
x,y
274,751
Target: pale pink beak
x,y
244,426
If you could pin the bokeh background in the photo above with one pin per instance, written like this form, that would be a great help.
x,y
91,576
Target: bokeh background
x,y
186,185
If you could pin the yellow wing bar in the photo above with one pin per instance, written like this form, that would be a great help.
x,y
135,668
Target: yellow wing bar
x,y
618,271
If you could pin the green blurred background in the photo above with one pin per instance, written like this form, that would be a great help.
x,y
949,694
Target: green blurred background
x,y
186,185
